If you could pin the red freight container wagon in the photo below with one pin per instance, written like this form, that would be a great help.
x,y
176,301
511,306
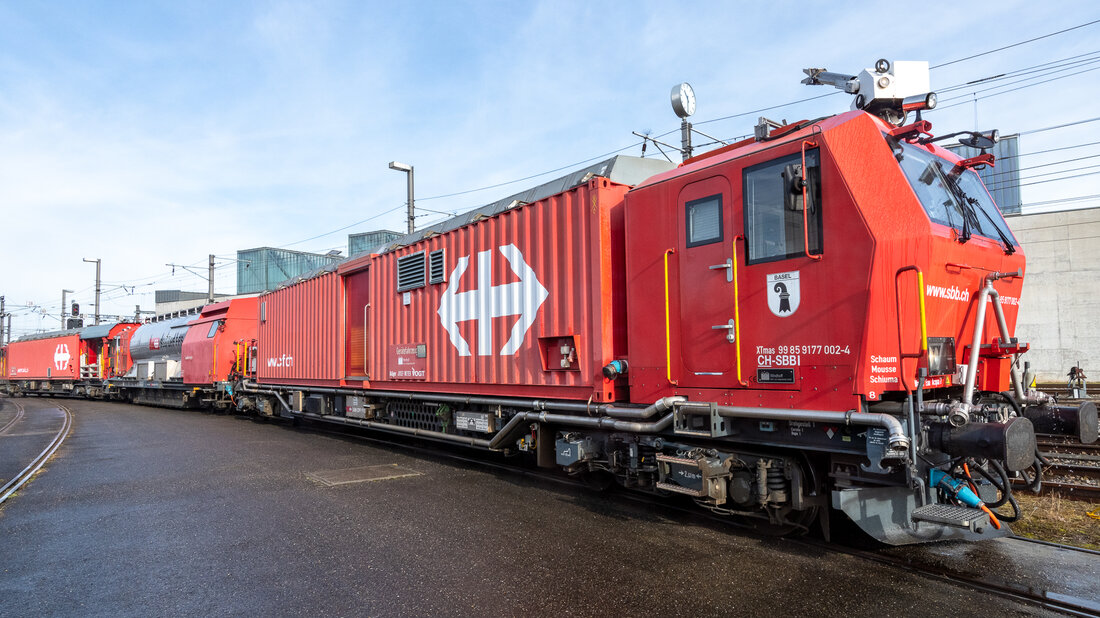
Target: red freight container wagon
x,y
301,333
216,343
529,302
52,357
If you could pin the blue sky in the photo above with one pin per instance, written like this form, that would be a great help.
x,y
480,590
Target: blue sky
x,y
148,133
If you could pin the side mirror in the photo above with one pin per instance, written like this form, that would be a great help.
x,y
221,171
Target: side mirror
x,y
792,187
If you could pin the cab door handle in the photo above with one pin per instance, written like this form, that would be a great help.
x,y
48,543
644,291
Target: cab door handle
x,y
730,328
729,270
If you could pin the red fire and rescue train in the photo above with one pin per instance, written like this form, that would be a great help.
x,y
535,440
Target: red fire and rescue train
x,y
816,319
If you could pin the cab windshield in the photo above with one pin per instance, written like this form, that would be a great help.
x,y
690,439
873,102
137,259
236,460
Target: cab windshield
x,y
958,200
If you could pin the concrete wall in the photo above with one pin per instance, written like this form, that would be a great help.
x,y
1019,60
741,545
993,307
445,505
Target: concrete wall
x,y
1060,303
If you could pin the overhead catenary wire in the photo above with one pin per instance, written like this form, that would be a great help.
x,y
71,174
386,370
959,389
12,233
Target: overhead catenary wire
x,y
995,94
727,117
1017,44
759,110
1045,69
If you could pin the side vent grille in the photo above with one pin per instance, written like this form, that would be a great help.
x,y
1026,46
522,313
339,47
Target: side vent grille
x,y
436,272
410,271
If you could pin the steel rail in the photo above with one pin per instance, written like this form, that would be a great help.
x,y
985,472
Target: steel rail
x,y
1066,490
1048,600
1083,550
15,419
1062,470
1054,601
36,464
1068,446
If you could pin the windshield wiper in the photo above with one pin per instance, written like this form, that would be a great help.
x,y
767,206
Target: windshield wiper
x,y
1009,248
968,216
971,206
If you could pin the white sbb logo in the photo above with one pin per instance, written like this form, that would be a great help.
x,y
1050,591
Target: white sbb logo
x,y
61,357
522,298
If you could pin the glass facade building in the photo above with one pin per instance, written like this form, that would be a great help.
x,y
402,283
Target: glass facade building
x,y
264,268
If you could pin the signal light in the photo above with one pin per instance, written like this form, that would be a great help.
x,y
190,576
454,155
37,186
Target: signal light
x,y
76,309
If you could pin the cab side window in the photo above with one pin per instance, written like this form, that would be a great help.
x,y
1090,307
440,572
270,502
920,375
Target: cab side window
x,y
704,220
774,207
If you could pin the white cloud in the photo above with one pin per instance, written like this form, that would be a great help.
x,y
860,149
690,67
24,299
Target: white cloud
x,y
162,133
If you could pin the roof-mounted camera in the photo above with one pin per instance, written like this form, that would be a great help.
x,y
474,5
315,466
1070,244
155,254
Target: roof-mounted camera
x,y
890,90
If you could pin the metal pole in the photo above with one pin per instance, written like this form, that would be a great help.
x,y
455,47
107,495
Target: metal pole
x,y
2,321
64,307
98,263
685,139
412,214
408,169
7,332
210,292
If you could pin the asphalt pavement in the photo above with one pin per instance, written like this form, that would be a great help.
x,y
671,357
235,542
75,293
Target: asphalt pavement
x,y
153,512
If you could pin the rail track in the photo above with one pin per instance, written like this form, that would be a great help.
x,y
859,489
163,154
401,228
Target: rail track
x,y
1074,469
15,419
1074,606
1051,600
39,460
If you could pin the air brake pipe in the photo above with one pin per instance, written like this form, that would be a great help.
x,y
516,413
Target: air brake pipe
x,y
1002,325
534,404
960,415
515,426
892,425
657,407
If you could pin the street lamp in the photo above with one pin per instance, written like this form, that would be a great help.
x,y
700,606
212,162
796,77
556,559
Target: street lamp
x,y
64,293
408,169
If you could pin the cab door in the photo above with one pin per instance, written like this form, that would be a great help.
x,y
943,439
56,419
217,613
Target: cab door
x,y
782,324
705,248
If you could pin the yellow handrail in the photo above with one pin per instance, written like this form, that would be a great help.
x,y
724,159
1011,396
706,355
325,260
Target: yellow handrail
x,y
737,312
668,336
902,355
923,318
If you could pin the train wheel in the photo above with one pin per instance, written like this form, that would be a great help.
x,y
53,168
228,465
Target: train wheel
x,y
800,522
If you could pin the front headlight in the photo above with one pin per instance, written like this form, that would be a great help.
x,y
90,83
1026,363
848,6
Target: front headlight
x,y
941,356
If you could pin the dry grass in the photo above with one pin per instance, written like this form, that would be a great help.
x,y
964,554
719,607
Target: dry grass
x,y
1058,520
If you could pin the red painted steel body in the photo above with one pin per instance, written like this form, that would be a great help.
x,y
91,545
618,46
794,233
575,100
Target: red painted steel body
x,y
842,342
53,358
301,333
114,350
210,348
557,262
598,253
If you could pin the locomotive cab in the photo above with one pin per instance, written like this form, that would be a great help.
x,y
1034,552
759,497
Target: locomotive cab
x,y
837,266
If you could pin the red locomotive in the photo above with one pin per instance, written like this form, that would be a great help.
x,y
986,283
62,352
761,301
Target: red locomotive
x,y
817,319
